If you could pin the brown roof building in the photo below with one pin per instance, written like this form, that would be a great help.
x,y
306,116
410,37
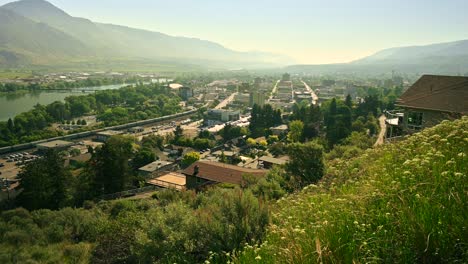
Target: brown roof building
x,y
210,172
432,99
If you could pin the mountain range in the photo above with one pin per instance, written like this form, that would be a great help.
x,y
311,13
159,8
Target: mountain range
x,y
449,58
37,33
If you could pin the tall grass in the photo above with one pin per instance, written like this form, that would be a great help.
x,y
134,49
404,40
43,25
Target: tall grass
x,y
399,203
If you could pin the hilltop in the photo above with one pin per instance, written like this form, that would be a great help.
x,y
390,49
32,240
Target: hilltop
x,y
399,203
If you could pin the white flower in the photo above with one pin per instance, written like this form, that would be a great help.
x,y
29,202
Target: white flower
x,y
258,257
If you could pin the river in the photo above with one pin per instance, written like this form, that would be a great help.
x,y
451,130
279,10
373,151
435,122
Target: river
x,y
16,103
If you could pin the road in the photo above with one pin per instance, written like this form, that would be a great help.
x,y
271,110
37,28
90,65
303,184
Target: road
x,y
313,94
274,90
226,101
383,130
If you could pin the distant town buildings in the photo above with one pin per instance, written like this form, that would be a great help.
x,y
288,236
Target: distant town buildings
x,y
257,98
216,116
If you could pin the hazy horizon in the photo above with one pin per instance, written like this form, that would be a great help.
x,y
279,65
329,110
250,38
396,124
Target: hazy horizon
x,y
308,31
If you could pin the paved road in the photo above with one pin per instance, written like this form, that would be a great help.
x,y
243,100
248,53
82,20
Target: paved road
x,y
226,101
313,94
274,90
383,130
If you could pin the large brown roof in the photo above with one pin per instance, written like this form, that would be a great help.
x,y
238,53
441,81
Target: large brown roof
x,y
220,172
439,93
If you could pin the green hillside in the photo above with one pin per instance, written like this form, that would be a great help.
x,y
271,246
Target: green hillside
x,y
399,203
23,40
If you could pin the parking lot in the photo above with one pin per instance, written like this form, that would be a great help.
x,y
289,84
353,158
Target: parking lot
x,y
10,165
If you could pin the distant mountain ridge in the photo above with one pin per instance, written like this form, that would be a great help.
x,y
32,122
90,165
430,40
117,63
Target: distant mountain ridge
x,y
418,54
441,58
106,41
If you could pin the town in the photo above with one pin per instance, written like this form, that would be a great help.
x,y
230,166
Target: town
x,y
302,131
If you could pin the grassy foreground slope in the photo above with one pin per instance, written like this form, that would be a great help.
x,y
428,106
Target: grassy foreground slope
x,y
399,203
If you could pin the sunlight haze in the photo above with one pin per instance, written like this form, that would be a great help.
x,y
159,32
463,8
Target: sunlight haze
x,y
308,31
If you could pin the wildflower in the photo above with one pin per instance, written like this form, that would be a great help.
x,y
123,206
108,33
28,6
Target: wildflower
x,y
461,154
356,222
450,162
418,196
258,257
458,174
445,173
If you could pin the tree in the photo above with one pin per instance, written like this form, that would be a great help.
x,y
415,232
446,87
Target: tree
x,y
143,157
306,162
111,165
296,129
349,102
178,133
251,142
190,158
10,125
45,182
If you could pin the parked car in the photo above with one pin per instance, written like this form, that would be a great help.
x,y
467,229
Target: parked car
x,y
2,165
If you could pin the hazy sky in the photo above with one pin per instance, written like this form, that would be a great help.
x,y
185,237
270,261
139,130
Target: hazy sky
x,y
310,31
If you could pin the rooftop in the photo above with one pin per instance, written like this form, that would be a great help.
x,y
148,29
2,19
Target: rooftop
x,y
154,166
110,133
220,172
438,93
170,180
55,144
273,160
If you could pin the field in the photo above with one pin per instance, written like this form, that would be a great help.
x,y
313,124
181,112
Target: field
x,y
398,203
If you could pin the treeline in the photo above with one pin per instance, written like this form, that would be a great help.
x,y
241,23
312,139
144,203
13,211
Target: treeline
x,y
61,85
112,107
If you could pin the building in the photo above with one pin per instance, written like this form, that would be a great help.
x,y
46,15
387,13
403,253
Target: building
x,y
268,162
155,168
203,173
257,98
55,145
242,98
105,135
137,129
229,155
171,180
431,99
222,115
279,130
185,93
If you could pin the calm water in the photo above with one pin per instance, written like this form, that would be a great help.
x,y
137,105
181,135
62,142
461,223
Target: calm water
x,y
13,104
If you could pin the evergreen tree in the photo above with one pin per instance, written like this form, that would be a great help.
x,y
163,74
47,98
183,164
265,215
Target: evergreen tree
x,y
45,183
10,125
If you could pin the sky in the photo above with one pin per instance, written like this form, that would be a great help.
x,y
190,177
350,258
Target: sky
x,y
308,31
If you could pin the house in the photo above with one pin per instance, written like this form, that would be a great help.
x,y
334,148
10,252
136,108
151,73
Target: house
x,y
279,130
171,180
431,99
155,167
203,173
